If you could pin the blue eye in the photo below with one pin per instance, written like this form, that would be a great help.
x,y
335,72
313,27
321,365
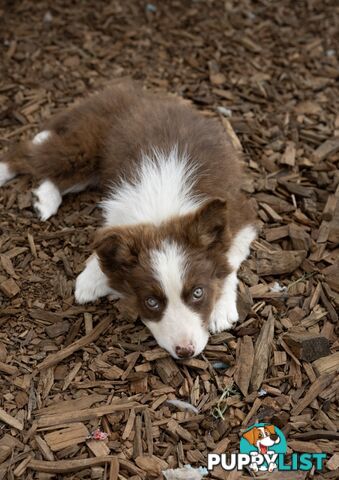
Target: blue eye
x,y
198,293
152,303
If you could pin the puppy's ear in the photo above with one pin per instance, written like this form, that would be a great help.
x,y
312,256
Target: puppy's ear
x,y
270,428
115,248
250,436
209,224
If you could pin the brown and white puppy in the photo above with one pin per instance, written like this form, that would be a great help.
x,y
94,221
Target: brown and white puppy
x,y
262,438
176,225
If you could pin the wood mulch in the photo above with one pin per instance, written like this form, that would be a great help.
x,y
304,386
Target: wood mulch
x,y
269,71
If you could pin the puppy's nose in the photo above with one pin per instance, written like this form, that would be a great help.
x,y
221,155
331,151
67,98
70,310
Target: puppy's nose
x,y
184,351
274,436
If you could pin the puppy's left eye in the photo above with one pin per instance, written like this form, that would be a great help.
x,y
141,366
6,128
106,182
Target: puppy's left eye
x,y
197,293
152,303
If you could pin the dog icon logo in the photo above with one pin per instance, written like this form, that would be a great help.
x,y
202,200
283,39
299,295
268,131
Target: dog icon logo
x,y
263,442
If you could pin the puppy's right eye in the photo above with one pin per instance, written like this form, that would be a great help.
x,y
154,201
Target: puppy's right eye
x,y
198,293
152,303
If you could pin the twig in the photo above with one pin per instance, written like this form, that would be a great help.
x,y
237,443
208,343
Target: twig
x,y
218,411
66,352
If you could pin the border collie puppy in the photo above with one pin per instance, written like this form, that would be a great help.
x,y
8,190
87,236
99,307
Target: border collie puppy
x,y
176,225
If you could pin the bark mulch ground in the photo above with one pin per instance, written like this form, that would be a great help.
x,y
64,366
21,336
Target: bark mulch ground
x,y
269,71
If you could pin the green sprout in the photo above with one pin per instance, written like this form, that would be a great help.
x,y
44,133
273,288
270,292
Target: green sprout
x,y
220,409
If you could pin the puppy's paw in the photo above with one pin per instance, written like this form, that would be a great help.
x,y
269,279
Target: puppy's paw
x,y
223,317
254,467
85,289
44,211
92,283
48,200
88,290
5,174
272,466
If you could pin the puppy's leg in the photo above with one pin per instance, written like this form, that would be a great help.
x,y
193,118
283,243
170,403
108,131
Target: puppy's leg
x,y
48,199
64,160
225,312
22,158
92,283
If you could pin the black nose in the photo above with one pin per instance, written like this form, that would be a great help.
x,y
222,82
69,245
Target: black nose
x,y
184,351
274,436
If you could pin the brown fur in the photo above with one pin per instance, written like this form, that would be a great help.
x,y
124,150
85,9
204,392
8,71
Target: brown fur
x,y
102,137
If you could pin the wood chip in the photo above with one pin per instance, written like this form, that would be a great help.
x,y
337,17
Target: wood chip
x,y
13,422
98,448
332,275
151,464
288,157
307,346
73,434
9,288
262,350
315,389
329,364
83,415
327,148
67,466
114,469
169,372
278,263
244,364
333,462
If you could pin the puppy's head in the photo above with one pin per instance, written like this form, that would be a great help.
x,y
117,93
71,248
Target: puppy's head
x,y
262,437
171,274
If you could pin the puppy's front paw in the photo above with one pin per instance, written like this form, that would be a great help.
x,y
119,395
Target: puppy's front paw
x,y
86,290
223,317
254,467
272,466
89,289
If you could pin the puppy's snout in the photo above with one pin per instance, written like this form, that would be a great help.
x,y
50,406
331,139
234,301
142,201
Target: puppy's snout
x,y
274,437
184,351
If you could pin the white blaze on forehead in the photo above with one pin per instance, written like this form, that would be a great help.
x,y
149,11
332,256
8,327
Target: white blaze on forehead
x,y
179,325
41,137
169,265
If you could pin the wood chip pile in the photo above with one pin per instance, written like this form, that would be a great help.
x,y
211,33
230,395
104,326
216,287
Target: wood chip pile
x,y
84,391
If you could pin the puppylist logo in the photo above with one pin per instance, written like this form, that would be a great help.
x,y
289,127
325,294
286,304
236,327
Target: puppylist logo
x,y
263,448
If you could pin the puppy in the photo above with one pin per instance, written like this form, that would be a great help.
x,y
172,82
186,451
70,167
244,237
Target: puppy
x,y
263,438
176,225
